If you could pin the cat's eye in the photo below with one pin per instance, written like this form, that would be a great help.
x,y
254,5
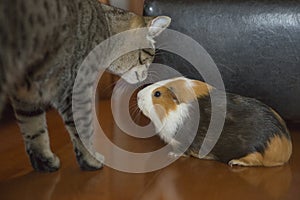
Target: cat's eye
x,y
157,94
149,52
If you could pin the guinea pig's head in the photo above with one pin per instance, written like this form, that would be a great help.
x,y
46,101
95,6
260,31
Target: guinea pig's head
x,y
169,100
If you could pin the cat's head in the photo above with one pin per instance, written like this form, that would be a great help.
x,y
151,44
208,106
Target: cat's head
x,y
133,66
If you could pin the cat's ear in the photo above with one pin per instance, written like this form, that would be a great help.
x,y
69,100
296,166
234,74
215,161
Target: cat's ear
x,y
158,25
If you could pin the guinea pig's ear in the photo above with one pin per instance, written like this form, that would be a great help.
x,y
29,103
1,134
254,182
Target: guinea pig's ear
x,y
200,88
174,97
158,25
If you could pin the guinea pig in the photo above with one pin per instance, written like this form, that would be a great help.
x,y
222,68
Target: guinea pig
x,y
253,133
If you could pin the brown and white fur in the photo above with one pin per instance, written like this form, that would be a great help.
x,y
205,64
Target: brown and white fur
x,y
253,133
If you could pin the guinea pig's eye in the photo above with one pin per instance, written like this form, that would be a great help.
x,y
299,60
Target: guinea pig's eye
x,y
157,94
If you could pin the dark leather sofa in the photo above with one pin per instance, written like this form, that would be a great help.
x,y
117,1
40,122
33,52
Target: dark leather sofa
x,y
255,45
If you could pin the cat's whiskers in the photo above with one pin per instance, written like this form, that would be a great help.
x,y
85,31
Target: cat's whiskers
x,y
106,90
134,111
132,106
137,115
158,53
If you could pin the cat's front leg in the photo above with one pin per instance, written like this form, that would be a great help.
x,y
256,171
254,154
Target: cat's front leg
x,y
87,158
32,123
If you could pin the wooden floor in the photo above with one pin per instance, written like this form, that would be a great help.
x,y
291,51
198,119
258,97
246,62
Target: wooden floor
x,y
186,179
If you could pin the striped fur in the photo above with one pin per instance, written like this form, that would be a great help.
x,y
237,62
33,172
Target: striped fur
x,y
43,42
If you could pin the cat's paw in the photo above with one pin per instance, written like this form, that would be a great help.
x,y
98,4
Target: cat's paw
x,y
99,157
88,161
43,163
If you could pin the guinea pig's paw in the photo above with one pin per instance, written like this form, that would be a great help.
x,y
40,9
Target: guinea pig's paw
x,y
251,160
173,155
236,162
176,155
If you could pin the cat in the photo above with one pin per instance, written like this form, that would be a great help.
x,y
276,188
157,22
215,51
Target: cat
x,y
43,44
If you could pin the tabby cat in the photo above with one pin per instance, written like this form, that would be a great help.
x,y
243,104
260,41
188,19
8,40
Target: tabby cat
x,y
43,43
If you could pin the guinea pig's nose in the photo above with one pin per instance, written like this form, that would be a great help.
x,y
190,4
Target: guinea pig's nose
x,y
138,96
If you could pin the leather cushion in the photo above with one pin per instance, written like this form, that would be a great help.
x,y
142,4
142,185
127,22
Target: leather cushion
x,y
255,44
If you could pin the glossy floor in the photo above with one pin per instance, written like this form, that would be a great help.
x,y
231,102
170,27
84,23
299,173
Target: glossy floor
x,y
186,179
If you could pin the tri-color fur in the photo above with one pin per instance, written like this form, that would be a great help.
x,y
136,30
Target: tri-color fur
x,y
43,43
253,133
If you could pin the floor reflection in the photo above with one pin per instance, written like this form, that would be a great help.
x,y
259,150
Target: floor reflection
x,y
25,187
190,178
164,187
273,181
